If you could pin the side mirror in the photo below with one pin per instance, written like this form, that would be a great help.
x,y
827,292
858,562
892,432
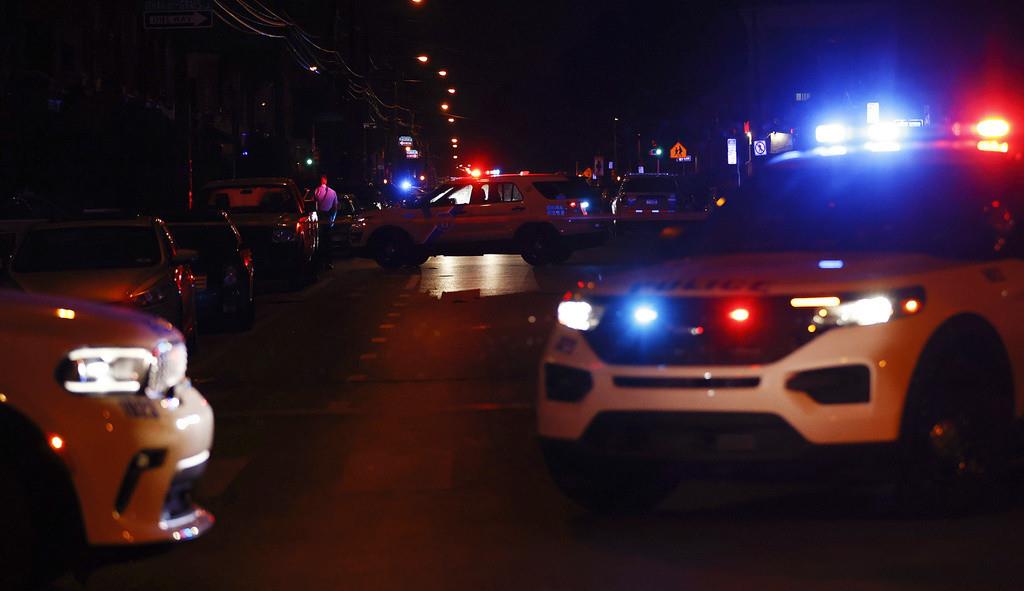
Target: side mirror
x,y
185,256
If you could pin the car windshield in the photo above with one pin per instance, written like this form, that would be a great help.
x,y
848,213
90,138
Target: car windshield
x,y
567,189
204,238
835,207
87,248
271,199
649,185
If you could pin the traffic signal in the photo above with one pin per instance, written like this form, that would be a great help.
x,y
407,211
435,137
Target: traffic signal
x,y
656,152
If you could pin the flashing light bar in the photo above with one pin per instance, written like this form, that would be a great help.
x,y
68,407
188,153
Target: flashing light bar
x,y
993,146
831,133
817,302
993,128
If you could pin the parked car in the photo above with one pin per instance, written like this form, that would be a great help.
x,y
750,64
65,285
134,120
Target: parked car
x,y
275,222
103,436
128,262
224,270
543,217
653,200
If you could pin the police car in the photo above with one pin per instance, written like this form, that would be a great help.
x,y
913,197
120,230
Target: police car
x,y
543,217
103,435
856,301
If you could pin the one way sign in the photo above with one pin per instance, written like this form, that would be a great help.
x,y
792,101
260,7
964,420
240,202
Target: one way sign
x,y
182,19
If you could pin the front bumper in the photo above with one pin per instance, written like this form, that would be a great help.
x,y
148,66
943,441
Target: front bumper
x,y
134,463
683,403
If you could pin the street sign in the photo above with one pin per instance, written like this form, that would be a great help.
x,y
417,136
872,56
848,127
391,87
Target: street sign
x,y
685,159
760,147
405,140
179,19
731,144
677,151
412,154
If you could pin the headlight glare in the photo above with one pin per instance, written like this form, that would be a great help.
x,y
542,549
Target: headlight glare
x,y
860,312
106,370
579,315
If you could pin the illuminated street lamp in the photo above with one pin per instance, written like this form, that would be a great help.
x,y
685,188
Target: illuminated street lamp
x,y
451,91
455,140
442,73
444,106
422,59
455,156
451,120
313,69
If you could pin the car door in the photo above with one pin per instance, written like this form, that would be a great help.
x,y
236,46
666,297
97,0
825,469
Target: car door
x,y
499,212
445,216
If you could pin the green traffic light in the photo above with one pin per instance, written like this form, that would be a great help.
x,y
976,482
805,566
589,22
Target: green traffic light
x,y
309,162
658,152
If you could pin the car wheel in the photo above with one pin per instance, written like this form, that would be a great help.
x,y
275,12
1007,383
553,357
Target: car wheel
x,y
541,245
19,543
392,250
603,485
418,259
957,433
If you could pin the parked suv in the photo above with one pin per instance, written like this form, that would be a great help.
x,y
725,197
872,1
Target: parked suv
x,y
647,199
543,217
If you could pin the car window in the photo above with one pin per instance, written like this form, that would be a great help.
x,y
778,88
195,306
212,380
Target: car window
x,y
567,189
88,248
503,192
204,238
649,184
457,195
253,200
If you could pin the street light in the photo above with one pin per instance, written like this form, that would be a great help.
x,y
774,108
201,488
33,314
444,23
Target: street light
x,y
451,91
313,69
444,106
455,140
422,59
451,120
442,73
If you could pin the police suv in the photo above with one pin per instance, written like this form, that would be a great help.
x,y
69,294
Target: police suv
x,y
543,217
103,435
852,302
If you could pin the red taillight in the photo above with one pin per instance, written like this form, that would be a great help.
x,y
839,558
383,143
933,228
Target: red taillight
x,y
246,257
739,315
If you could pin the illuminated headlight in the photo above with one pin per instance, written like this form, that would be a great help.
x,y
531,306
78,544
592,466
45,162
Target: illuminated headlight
x,y
283,234
152,296
644,315
579,315
863,311
101,371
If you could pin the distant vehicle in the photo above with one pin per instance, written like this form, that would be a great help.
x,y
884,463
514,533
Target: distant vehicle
x,y
132,262
663,198
104,437
224,270
848,304
275,222
543,217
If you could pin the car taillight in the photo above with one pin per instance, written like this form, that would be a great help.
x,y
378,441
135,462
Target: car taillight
x,y
246,255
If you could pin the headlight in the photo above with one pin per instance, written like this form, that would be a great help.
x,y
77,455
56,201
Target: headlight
x,y
100,371
153,295
579,315
283,234
863,311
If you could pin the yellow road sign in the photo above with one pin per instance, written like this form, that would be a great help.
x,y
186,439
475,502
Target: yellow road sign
x,y
677,151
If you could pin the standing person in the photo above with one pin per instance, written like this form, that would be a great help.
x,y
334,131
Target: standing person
x,y
326,211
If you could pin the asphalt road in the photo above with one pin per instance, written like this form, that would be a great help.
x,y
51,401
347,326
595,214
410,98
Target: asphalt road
x,y
375,431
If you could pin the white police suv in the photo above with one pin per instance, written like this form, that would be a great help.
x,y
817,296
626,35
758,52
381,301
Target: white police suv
x,y
850,303
543,217
103,435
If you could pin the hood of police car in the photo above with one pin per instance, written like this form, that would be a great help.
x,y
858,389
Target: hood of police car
x,y
775,273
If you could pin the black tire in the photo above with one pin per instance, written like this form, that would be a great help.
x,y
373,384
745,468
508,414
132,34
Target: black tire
x,y
19,544
392,250
606,486
957,431
542,245
418,259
